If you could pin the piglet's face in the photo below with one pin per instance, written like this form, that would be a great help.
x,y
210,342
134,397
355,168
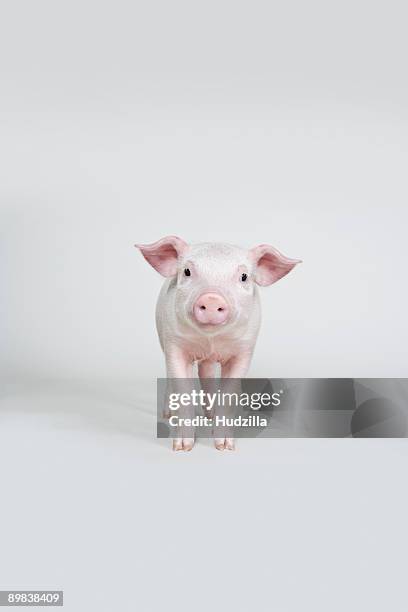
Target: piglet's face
x,y
214,286
215,283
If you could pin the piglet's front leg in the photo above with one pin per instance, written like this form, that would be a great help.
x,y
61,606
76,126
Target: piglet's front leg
x,y
179,375
234,368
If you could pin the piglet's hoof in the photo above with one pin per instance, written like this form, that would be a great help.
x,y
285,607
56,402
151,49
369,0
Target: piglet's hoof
x,y
224,443
183,444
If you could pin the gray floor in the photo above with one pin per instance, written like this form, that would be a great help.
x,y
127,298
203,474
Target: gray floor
x,y
93,504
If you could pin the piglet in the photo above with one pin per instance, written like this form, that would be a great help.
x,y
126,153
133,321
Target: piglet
x,y
208,310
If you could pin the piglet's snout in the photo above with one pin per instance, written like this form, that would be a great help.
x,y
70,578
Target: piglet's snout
x,y
211,309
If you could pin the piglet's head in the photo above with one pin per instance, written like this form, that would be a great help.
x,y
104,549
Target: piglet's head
x,y
215,283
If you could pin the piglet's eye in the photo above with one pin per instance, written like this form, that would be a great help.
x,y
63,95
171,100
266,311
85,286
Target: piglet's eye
x,y
187,272
244,277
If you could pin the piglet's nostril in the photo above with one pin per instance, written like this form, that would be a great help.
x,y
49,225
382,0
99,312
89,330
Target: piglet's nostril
x,y
220,309
202,307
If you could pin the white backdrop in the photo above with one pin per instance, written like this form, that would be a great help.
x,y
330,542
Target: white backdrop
x,y
119,130
246,122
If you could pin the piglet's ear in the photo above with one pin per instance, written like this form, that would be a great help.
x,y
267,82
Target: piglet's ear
x,y
270,264
163,254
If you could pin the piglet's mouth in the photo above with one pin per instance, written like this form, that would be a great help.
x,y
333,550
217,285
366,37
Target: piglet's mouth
x,y
210,326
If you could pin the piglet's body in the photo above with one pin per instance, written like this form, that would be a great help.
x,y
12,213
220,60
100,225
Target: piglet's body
x,y
208,310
